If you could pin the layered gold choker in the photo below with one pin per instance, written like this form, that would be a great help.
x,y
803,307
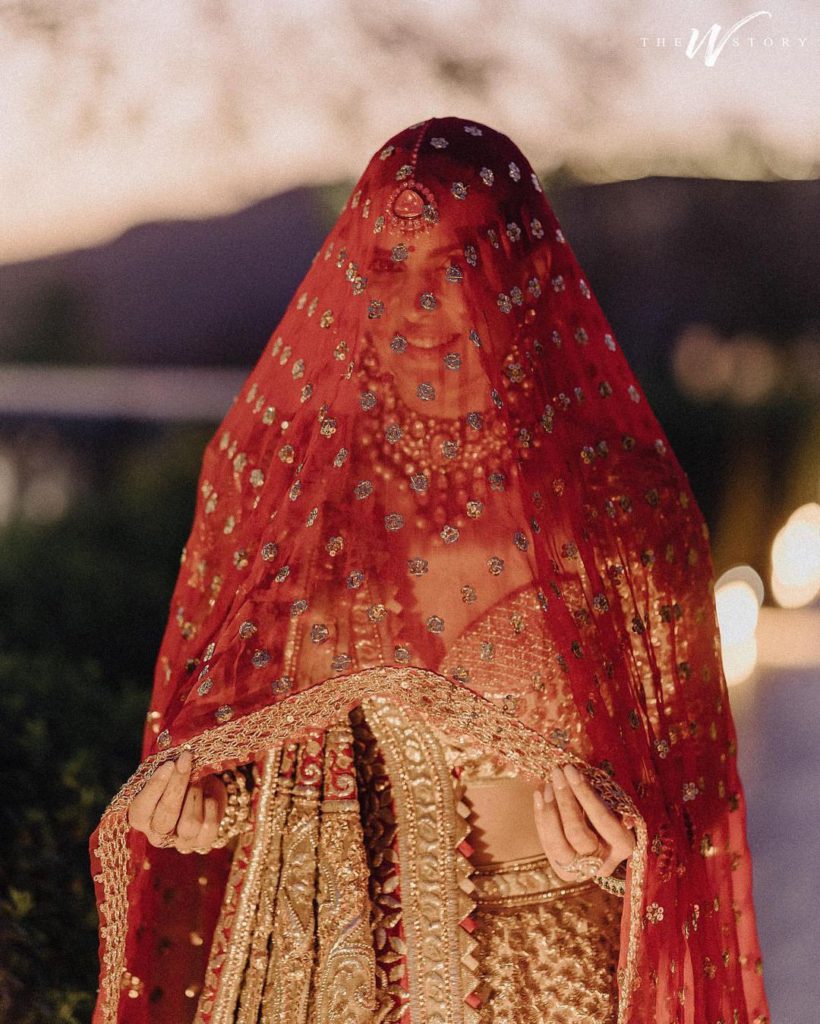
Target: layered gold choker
x,y
448,462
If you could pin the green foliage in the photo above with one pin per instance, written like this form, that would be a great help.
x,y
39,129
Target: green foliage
x,y
84,603
55,325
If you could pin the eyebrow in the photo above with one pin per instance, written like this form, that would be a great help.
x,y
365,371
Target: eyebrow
x,y
452,249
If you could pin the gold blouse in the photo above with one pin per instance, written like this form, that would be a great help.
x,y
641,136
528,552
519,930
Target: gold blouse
x,y
471,764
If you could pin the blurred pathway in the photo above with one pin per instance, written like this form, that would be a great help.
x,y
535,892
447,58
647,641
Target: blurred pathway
x,y
778,721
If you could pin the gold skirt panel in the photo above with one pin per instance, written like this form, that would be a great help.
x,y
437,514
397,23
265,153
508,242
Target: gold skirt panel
x,y
354,900
547,951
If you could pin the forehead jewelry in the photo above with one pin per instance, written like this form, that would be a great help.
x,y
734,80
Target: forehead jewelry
x,y
411,207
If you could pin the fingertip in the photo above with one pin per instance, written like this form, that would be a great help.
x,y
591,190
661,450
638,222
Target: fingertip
x,y
538,800
549,793
572,774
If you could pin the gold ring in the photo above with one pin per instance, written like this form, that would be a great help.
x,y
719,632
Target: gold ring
x,y
586,865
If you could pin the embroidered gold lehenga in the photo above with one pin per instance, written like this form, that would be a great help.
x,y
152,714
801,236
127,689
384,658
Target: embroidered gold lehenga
x,y
352,896
439,537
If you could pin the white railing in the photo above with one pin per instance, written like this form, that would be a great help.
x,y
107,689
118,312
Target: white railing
x,y
179,393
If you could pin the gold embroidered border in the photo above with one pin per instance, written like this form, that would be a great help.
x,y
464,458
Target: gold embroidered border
x,y
269,817
522,883
380,831
346,958
435,698
432,904
473,986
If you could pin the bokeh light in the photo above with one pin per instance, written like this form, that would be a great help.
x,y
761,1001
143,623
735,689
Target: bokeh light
x,y
738,597
744,369
795,577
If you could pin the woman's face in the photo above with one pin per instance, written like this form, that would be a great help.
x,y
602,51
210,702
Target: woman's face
x,y
424,306
429,308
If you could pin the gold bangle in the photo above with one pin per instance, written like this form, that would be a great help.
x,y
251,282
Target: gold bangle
x,y
614,883
237,809
615,886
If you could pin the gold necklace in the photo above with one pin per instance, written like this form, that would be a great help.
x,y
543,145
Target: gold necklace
x,y
449,462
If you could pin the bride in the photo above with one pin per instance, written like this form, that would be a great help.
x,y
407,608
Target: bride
x,y
439,715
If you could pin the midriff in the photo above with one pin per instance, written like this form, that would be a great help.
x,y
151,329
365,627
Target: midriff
x,y
502,820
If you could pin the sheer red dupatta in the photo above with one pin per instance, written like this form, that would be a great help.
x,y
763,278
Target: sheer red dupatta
x,y
443,418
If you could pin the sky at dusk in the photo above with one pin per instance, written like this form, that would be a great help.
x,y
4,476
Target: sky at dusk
x,y
113,113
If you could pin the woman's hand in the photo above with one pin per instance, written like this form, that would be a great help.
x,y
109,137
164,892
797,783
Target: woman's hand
x,y
574,822
172,811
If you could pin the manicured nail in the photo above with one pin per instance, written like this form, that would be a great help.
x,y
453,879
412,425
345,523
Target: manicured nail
x,y
183,762
538,800
558,779
549,795
572,774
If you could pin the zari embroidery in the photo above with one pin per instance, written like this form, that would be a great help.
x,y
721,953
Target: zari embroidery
x,y
550,961
443,484
346,990
433,906
245,887
299,951
521,883
381,846
419,692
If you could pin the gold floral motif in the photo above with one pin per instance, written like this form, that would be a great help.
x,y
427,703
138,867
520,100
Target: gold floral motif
x,y
240,906
299,947
282,956
346,991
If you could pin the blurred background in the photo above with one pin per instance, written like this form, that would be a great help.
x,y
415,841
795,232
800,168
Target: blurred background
x,y
168,171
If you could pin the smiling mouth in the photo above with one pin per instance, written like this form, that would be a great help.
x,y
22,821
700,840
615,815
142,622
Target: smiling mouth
x,y
418,342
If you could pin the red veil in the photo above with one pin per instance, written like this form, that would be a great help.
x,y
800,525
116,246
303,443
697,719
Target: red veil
x,y
441,421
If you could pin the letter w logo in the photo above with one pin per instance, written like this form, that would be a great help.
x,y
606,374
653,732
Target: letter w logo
x,y
713,44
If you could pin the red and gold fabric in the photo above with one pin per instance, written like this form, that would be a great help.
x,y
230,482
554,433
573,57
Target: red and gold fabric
x,y
442,485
